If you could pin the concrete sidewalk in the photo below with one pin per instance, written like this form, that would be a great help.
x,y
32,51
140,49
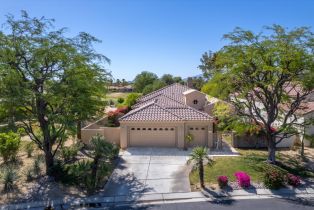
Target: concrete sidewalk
x,y
165,198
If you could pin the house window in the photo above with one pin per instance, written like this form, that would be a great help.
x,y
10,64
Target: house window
x,y
160,129
195,102
166,129
149,129
138,129
155,129
172,129
203,128
144,129
191,129
196,128
132,129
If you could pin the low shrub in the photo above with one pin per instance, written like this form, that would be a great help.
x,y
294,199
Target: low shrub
x,y
70,153
293,180
9,145
120,100
274,178
222,181
243,179
29,149
37,166
9,176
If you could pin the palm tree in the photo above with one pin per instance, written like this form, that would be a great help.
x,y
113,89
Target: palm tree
x,y
199,156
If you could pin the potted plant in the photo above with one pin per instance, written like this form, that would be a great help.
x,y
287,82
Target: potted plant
x,y
188,140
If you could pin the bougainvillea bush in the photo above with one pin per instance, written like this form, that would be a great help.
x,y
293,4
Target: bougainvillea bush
x,y
222,181
113,116
293,180
243,179
273,178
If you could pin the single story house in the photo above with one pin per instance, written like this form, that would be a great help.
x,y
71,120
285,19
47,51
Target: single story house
x,y
165,117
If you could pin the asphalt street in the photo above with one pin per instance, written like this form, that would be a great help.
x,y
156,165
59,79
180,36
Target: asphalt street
x,y
254,204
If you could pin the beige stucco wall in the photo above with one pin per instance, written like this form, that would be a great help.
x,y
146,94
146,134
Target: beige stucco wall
x,y
196,95
162,138
309,130
112,134
87,134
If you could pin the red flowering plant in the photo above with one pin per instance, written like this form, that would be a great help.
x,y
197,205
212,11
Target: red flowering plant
x,y
222,181
113,116
243,179
293,180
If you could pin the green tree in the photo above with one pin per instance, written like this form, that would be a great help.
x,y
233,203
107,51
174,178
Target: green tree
x,y
157,84
199,156
178,80
266,77
9,145
124,82
85,98
101,152
40,70
131,99
143,79
168,79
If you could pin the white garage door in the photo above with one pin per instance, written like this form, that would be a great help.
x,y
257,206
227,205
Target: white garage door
x,y
199,136
152,137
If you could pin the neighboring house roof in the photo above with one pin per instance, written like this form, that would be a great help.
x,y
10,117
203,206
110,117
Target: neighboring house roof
x,y
165,104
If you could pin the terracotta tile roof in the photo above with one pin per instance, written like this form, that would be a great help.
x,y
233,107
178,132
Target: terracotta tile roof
x,y
174,91
150,112
166,104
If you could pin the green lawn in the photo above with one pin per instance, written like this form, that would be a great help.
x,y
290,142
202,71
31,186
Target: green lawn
x,y
250,161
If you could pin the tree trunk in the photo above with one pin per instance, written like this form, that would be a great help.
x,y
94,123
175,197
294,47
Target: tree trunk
x,y
271,150
49,163
201,173
79,130
94,170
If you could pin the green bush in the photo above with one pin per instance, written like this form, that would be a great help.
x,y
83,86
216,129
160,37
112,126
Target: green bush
x,y
120,100
9,145
131,99
29,149
274,177
69,153
9,176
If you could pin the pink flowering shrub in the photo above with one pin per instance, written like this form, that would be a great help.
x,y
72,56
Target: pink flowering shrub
x,y
222,181
293,180
243,179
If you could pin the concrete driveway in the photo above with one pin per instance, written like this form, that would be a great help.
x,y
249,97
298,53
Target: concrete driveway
x,y
149,170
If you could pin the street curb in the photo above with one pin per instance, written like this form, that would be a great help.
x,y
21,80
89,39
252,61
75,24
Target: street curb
x,y
163,197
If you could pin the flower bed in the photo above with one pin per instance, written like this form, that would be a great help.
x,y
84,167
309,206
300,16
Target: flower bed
x,y
222,181
293,180
243,179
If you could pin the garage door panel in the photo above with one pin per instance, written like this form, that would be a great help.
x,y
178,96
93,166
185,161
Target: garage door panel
x,y
199,136
153,137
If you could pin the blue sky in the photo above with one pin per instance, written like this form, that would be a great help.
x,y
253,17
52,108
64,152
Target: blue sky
x,y
162,36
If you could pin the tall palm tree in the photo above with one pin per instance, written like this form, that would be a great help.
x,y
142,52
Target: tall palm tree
x,y
199,156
